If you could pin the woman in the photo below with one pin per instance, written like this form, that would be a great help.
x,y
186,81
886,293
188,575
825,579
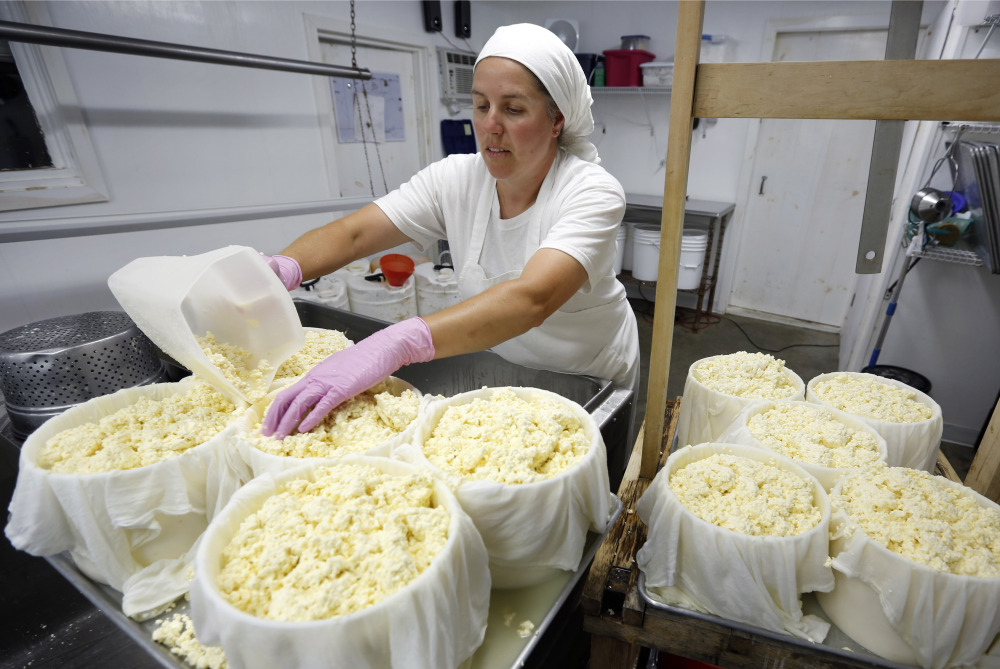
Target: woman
x,y
531,222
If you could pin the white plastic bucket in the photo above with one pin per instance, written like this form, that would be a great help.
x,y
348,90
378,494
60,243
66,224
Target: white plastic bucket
x,y
621,241
692,260
627,247
377,299
436,289
330,291
645,252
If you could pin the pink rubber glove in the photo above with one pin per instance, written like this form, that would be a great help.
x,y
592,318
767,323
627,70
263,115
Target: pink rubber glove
x,y
345,374
287,269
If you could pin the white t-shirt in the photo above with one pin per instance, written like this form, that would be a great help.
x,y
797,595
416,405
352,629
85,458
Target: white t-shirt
x,y
579,214
581,217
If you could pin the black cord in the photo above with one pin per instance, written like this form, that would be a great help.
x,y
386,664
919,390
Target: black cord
x,y
773,350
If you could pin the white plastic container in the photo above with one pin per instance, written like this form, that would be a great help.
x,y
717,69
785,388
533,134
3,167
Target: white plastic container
x,y
230,293
377,299
657,73
330,291
645,251
621,241
692,259
627,252
436,289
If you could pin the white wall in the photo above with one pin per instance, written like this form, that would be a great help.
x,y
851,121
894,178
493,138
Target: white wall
x,y
188,137
946,325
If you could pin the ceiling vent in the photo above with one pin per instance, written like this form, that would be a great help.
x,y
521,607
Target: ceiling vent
x,y
456,75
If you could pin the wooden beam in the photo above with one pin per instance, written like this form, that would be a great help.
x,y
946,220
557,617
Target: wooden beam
x,y
910,90
984,473
686,52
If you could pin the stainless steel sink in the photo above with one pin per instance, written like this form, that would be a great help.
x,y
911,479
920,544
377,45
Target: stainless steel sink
x,y
610,406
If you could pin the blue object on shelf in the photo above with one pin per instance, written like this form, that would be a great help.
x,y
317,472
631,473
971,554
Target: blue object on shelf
x,y
458,136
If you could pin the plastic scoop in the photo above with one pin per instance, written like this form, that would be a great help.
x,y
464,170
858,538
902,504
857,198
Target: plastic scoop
x,y
397,268
230,293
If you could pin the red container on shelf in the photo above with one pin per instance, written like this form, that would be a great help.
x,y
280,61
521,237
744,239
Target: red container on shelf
x,y
621,66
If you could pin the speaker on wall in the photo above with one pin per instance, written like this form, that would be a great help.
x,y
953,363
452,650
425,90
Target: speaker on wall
x,y
463,18
432,15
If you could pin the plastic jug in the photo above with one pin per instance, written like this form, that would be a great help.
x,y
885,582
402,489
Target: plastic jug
x,y
230,293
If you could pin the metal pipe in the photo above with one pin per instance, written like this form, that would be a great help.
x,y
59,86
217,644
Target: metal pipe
x,y
76,39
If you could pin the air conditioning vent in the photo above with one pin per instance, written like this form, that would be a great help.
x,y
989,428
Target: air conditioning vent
x,y
456,75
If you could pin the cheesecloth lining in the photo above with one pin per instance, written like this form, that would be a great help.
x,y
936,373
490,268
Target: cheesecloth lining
x,y
110,521
706,414
531,527
437,620
557,67
754,580
947,620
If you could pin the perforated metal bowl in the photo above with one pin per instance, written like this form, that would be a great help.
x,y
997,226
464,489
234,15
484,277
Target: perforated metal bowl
x,y
49,366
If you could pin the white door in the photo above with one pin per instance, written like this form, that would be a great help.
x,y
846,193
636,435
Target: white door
x,y
802,219
381,162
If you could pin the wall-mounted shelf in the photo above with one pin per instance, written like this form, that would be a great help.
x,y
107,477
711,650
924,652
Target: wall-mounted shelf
x,y
630,90
945,254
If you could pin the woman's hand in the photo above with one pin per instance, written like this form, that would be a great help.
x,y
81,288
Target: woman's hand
x,y
287,269
345,374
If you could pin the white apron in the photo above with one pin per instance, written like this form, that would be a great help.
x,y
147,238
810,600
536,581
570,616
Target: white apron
x,y
599,341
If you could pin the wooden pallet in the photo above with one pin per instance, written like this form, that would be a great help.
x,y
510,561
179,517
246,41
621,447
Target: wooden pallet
x,y
621,623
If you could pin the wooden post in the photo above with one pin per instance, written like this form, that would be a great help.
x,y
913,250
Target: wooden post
x,y
984,474
686,52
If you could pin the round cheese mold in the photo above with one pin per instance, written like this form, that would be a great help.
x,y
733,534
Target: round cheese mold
x,y
738,532
827,443
339,560
917,567
132,529
719,387
530,468
909,420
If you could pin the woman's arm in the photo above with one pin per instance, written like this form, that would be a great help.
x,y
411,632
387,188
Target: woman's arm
x,y
330,247
509,309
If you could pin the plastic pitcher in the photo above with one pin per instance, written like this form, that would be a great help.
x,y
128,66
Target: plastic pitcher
x,y
230,293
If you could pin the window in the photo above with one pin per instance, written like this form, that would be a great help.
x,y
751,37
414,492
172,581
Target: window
x,y
22,144
48,160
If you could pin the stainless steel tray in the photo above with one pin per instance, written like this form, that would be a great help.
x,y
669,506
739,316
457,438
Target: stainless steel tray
x,y
501,648
836,644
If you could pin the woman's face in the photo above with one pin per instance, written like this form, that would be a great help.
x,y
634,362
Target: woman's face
x,y
516,136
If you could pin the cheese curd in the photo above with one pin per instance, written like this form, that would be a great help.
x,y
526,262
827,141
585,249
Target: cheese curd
x,y
319,345
921,517
335,545
359,424
506,439
813,434
865,395
747,375
146,432
234,362
747,496
177,634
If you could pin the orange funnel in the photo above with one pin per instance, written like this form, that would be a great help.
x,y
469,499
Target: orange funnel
x,y
397,268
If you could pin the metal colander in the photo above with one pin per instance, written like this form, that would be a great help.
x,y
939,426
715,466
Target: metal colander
x,y
51,365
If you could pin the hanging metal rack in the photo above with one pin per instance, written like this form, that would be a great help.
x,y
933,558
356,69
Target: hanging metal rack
x,y
77,39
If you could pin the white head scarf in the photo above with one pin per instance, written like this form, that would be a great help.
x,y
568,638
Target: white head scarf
x,y
541,51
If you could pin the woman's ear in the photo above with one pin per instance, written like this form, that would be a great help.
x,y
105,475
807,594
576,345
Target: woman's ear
x,y
558,125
